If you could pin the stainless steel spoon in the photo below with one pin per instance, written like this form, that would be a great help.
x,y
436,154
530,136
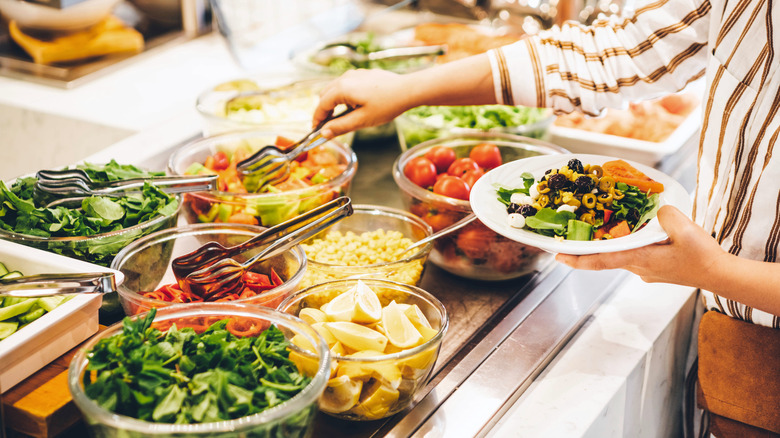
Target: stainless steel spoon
x,y
446,230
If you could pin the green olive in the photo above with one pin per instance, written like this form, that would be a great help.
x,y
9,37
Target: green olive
x,y
589,200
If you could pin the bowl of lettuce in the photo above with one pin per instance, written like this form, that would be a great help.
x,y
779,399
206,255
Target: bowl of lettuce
x,y
96,230
425,123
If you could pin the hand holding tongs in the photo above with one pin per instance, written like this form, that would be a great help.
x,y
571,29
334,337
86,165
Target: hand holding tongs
x,y
271,165
45,285
71,186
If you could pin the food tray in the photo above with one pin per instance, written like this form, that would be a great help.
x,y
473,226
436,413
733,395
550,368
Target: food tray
x,y
47,338
645,152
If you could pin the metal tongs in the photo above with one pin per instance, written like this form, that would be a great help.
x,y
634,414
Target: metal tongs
x,y
46,285
271,165
71,186
349,52
219,276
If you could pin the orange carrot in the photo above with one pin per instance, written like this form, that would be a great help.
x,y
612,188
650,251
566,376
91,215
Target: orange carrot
x,y
620,230
624,172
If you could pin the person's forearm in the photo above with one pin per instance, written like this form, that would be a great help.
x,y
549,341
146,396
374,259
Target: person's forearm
x,y
466,81
750,282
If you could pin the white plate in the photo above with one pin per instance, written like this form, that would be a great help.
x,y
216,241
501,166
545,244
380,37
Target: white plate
x,y
55,333
492,213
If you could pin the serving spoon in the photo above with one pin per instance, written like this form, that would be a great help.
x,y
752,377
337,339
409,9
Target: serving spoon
x,y
446,230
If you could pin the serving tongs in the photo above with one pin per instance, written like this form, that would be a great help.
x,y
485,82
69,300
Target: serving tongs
x,y
71,186
271,165
46,285
347,51
210,271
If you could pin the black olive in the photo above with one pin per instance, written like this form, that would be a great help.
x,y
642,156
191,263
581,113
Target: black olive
x,y
576,165
513,208
527,210
633,215
557,181
584,184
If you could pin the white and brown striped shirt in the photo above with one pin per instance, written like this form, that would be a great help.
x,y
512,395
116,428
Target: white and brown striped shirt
x,y
662,47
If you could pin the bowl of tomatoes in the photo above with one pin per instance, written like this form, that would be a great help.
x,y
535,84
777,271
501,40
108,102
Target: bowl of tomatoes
x,y
316,177
435,178
151,282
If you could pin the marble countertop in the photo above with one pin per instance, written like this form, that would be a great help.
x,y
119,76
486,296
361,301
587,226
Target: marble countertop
x,y
620,376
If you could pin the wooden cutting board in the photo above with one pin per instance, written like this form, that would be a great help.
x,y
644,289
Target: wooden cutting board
x,y
41,406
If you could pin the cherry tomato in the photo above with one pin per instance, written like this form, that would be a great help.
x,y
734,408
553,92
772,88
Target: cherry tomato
x,y
441,157
461,166
472,176
486,155
421,171
452,186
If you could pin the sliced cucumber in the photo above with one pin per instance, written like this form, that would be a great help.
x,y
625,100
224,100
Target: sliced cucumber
x,y
7,329
3,270
16,309
12,274
49,303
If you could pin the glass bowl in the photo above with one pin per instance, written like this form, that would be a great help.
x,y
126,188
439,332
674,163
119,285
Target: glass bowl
x,y
369,385
371,233
146,264
268,208
292,417
414,129
273,103
474,251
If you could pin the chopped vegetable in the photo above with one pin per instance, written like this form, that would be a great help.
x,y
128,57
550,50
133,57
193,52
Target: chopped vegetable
x,y
192,374
16,313
254,283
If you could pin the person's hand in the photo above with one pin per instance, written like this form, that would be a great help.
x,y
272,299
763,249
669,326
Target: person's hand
x,y
377,96
690,257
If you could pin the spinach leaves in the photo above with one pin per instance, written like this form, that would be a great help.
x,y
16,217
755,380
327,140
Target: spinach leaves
x,y
185,377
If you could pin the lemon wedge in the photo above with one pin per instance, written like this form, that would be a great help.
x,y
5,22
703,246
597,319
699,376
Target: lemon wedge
x,y
322,329
398,328
311,315
420,322
306,365
385,371
301,342
341,308
338,349
376,401
340,395
357,337
368,309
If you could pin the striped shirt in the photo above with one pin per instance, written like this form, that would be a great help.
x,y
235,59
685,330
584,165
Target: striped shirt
x,y
662,47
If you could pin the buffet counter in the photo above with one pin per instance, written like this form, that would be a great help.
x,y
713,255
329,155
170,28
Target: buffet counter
x,y
554,353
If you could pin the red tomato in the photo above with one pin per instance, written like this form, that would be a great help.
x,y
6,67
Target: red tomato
x,y
421,171
452,186
472,176
221,161
441,157
461,166
486,155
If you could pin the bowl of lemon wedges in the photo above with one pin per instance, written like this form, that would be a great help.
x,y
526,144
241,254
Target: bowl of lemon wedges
x,y
384,338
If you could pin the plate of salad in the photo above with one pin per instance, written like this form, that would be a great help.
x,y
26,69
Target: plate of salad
x,y
577,203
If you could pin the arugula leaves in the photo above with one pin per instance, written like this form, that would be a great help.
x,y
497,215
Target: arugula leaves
x,y
97,215
184,377
505,194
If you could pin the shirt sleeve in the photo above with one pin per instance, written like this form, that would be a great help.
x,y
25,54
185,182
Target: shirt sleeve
x,y
659,49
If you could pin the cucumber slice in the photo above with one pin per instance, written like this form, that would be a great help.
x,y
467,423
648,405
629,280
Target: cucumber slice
x,y
12,274
3,270
16,309
7,329
49,303
31,316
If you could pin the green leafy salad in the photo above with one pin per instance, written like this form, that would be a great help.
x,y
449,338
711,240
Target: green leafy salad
x,y
182,376
97,215
429,121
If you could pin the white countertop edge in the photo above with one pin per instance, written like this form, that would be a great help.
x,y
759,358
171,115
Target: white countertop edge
x,y
615,373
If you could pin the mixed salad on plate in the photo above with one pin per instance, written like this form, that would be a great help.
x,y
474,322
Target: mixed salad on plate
x,y
583,201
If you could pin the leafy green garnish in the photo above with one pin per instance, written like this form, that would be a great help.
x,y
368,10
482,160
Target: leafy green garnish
x,y
97,215
181,376
505,194
550,222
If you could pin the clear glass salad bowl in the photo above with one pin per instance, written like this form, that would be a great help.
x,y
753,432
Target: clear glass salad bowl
x,y
291,418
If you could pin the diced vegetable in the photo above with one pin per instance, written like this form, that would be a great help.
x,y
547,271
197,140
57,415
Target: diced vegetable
x,y
15,313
